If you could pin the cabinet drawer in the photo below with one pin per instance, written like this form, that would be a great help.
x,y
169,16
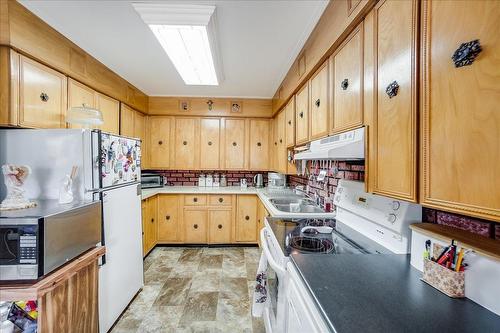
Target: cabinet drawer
x,y
220,200
195,200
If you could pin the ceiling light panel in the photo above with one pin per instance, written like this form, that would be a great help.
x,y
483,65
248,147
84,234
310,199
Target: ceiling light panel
x,y
187,34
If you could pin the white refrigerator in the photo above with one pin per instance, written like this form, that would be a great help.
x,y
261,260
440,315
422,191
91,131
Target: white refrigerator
x,y
108,170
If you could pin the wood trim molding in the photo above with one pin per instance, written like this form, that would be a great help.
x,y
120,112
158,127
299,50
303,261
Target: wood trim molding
x,y
221,107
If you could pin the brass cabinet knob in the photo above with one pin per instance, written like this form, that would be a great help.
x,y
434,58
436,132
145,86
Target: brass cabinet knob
x,y
209,143
247,217
290,122
195,226
301,114
221,199
152,220
344,84
259,144
281,140
195,199
317,103
160,142
184,143
167,217
219,226
234,144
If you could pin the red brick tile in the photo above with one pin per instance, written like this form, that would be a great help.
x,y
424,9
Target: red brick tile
x,y
187,183
463,222
356,167
497,231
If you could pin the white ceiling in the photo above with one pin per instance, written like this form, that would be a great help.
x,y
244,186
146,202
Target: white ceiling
x,y
258,42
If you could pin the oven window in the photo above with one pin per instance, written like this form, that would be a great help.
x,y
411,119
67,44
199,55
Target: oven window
x,y
272,287
9,245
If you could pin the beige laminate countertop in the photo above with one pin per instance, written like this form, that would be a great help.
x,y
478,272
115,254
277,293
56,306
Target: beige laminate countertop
x,y
262,193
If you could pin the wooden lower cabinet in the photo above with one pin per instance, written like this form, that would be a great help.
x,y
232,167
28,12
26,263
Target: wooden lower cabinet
x,y
246,219
219,225
262,213
195,225
149,224
169,219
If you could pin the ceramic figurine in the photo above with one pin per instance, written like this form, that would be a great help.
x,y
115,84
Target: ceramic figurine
x,y
15,177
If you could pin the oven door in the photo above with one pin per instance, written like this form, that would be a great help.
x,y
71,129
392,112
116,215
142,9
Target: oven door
x,y
276,276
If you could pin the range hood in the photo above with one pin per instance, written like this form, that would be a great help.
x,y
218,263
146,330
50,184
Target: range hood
x,y
347,146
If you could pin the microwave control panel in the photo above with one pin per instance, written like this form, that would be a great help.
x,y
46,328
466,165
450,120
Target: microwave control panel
x,y
28,252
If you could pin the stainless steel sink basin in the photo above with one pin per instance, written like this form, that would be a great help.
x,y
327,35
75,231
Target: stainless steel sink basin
x,y
295,205
288,201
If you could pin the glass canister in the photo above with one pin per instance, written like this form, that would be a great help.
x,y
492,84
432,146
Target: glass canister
x,y
201,180
223,181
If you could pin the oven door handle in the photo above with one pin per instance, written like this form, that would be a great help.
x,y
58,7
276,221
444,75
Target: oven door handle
x,y
265,249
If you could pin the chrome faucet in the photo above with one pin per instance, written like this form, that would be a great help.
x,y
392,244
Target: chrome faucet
x,y
315,199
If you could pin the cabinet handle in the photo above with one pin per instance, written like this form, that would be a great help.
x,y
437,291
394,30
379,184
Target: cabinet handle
x,y
184,143
344,84
195,199
301,114
221,199
281,140
317,103
392,89
167,217
290,122
234,144
160,142
259,144
152,220
247,217
209,143
466,53
219,226
275,143
44,97
195,226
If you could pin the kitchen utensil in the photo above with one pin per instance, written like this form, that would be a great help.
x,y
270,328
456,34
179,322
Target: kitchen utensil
x,y
258,180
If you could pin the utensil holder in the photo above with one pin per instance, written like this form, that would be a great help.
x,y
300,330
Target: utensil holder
x,y
449,282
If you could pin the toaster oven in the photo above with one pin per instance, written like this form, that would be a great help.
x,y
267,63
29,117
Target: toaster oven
x,y
152,180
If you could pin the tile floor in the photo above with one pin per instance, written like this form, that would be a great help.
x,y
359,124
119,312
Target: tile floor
x,y
195,290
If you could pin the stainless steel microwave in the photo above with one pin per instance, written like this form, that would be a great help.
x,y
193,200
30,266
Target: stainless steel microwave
x,y
36,241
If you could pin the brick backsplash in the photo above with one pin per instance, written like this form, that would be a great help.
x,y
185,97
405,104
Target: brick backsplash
x,y
326,188
190,177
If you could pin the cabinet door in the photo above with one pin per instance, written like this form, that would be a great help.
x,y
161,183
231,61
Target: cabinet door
x,y
347,84
290,123
281,144
210,144
149,224
461,118
145,226
272,144
42,95
234,143
302,115
319,103
168,218
80,95
153,222
219,229
159,129
262,213
110,109
127,119
246,219
186,147
195,225
394,140
259,145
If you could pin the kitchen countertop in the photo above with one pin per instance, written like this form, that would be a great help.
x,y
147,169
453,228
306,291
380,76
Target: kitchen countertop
x,y
262,193
384,293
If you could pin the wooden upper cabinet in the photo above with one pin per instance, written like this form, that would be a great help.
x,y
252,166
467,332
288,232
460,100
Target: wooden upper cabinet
x,y
169,228
346,83
461,120
302,115
210,143
280,139
186,147
127,119
393,136
80,95
319,103
246,219
259,144
42,95
234,144
159,130
110,109
140,133
290,123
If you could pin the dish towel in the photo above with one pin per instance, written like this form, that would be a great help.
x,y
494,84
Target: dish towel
x,y
260,296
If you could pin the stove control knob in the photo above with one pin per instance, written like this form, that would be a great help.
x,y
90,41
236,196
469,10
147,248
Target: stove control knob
x,y
396,205
392,218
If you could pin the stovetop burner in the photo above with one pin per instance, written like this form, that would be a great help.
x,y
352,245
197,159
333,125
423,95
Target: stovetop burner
x,y
309,244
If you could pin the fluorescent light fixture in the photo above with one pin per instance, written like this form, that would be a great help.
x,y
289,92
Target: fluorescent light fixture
x,y
187,34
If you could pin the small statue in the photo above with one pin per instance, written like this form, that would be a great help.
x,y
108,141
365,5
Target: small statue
x,y
15,177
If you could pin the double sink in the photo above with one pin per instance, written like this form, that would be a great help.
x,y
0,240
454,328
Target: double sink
x,y
295,205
